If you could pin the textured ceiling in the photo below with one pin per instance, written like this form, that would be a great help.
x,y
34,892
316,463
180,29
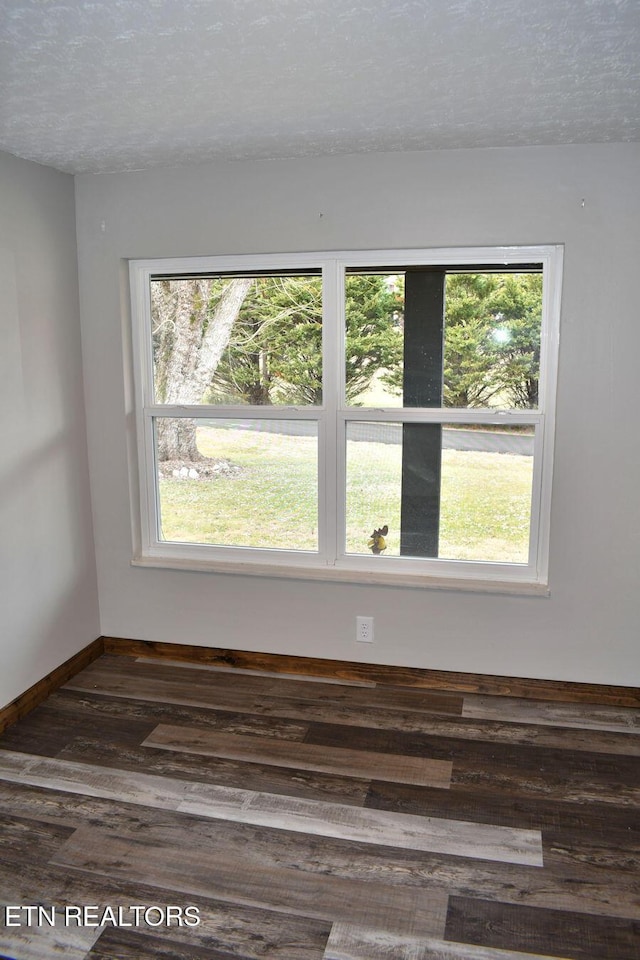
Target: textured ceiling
x,y
106,85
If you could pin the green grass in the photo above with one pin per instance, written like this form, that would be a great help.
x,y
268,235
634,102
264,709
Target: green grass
x,y
484,503
271,503
485,498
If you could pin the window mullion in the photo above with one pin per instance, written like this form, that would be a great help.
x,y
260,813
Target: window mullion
x,y
246,412
462,415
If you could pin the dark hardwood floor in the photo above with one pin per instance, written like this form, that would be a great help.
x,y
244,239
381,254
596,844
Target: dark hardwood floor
x,y
309,819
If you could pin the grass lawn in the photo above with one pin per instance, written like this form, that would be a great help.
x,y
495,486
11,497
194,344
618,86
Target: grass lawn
x,y
272,502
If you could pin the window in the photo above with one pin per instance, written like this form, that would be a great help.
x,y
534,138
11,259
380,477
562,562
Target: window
x,y
384,416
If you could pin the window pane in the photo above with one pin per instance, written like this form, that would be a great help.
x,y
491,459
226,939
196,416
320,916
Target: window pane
x,y
242,483
492,340
463,491
237,339
435,337
374,312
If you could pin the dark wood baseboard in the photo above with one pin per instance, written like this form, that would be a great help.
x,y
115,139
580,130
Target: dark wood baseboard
x,y
532,689
30,699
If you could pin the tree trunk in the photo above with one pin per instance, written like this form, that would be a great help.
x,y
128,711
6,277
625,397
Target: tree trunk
x,y
176,439
189,341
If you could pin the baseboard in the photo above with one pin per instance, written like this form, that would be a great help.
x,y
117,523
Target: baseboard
x,y
35,695
565,691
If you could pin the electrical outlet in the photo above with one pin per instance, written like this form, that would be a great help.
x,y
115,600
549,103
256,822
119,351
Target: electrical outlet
x,y
364,629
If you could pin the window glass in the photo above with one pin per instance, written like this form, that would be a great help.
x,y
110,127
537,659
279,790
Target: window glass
x,y
237,339
249,483
374,313
453,491
437,337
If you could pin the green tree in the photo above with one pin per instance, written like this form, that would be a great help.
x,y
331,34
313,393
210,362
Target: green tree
x,y
275,352
373,305
470,349
516,306
491,340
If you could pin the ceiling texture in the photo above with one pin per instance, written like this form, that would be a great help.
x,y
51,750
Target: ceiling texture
x,y
114,85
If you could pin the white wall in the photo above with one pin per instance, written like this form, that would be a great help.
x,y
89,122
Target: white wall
x,y
48,589
585,197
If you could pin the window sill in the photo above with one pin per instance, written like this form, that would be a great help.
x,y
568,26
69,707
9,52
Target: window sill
x,y
385,578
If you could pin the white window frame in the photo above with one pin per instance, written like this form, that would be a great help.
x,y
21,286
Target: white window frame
x,y
331,562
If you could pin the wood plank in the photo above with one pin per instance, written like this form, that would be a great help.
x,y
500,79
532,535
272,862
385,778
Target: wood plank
x,y
505,809
338,760
185,693
200,871
89,706
48,805
210,683
515,770
228,773
548,713
273,848
350,942
580,886
228,927
592,891
127,945
588,891
456,838
210,871
574,783
94,781
557,933
13,765
608,849
22,838
47,731
320,818
483,731
44,942
38,692
530,688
